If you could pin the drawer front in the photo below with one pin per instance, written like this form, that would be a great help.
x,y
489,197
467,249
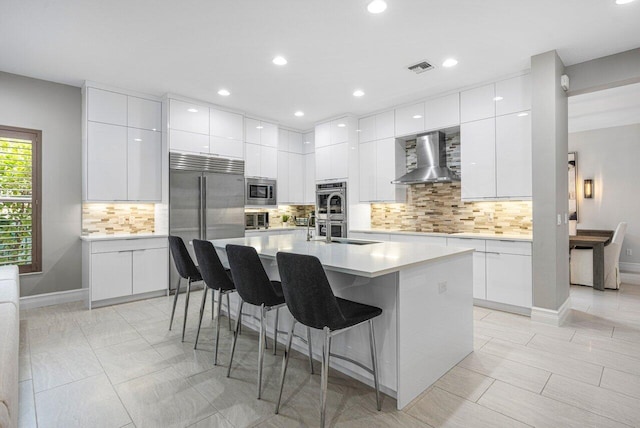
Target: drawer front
x,y
476,244
509,247
128,245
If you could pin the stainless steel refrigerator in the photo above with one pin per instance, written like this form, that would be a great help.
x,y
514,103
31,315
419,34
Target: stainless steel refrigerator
x,y
206,200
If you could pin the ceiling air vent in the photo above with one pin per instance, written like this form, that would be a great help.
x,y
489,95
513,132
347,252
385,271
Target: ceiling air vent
x,y
421,67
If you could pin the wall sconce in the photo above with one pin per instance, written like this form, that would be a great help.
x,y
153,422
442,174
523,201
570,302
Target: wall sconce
x,y
588,189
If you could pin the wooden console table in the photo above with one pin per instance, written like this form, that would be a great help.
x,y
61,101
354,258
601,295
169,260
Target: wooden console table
x,y
596,243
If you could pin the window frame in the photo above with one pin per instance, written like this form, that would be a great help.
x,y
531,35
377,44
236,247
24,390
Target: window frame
x,y
35,136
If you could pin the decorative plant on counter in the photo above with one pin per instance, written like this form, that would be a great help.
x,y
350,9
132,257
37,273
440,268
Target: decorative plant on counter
x,y
285,218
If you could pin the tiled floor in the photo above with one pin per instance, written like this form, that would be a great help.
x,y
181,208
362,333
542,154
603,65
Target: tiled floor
x,y
119,366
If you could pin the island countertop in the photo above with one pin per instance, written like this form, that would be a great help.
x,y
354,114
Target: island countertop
x,y
371,260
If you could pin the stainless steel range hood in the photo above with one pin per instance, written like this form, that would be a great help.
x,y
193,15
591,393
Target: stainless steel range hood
x,y
432,162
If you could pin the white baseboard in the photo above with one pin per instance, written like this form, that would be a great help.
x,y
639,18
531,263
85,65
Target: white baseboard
x,y
502,307
48,299
627,267
550,316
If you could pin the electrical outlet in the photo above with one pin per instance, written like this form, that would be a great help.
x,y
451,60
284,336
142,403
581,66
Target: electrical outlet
x,y
629,252
442,287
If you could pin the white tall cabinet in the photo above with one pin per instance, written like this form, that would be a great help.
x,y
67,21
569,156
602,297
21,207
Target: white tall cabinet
x,y
333,148
291,162
261,149
495,140
122,146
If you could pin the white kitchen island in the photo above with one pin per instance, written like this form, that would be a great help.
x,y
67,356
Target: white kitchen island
x,y
425,292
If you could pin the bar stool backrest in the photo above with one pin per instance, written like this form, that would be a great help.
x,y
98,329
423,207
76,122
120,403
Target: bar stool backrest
x,y
211,268
307,291
184,264
251,281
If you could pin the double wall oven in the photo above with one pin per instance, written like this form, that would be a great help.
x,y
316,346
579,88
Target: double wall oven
x,y
337,209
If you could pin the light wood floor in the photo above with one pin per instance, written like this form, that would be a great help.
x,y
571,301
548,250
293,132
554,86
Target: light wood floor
x,y
119,366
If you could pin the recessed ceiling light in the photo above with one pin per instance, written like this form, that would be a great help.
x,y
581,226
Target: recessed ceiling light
x,y
299,113
523,114
137,139
279,60
498,98
450,62
377,6
417,116
153,129
259,127
224,92
358,93
623,1
192,110
341,125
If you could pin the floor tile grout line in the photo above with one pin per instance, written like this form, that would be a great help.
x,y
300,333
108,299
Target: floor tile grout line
x,y
601,374
546,383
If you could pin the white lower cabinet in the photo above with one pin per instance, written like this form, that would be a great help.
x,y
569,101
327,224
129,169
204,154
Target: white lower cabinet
x,y
479,266
509,273
122,268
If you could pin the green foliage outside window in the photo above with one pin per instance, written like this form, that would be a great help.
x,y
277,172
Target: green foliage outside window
x,y
15,201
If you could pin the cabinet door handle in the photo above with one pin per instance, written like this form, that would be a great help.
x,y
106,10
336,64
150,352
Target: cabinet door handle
x,y
492,252
124,251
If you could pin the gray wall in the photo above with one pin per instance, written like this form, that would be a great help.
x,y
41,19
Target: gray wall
x,y
550,195
610,157
607,72
56,110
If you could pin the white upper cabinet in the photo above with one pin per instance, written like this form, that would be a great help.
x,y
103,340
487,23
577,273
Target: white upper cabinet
x,y
339,131
514,95
513,155
367,127
106,107
226,124
268,162
308,142
252,160
295,143
296,178
409,119
106,162
323,135
377,127
226,147
381,162
144,114
188,117
309,195
478,103
332,162
144,165
442,112
283,177
478,159
183,141
283,140
259,132
323,162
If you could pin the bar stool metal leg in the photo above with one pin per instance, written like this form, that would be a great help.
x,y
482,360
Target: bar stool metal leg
x,y
175,302
285,363
215,354
275,332
204,301
310,353
213,303
235,336
326,351
263,337
374,362
186,308
229,311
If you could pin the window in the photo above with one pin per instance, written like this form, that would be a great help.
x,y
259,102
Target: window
x,y
20,193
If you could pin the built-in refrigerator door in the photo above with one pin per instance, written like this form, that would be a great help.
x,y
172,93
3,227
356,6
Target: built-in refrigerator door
x,y
224,206
184,212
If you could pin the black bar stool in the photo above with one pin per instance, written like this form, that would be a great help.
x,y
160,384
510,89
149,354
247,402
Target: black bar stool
x,y
187,270
312,303
255,288
217,278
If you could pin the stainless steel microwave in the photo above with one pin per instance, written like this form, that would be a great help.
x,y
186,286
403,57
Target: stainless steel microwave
x,y
260,191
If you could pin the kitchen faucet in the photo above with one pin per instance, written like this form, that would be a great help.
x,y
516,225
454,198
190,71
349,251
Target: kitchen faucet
x,y
328,234
309,224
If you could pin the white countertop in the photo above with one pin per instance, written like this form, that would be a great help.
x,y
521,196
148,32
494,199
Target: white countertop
x,y
363,260
276,228
476,235
120,237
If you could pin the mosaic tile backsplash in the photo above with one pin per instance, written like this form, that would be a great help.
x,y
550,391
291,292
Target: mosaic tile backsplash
x,y
121,219
275,214
438,207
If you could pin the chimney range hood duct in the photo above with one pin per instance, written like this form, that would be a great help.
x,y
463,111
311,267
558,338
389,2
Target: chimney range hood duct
x,y
432,162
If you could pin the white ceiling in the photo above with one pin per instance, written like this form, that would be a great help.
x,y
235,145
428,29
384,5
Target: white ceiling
x,y
605,109
195,47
